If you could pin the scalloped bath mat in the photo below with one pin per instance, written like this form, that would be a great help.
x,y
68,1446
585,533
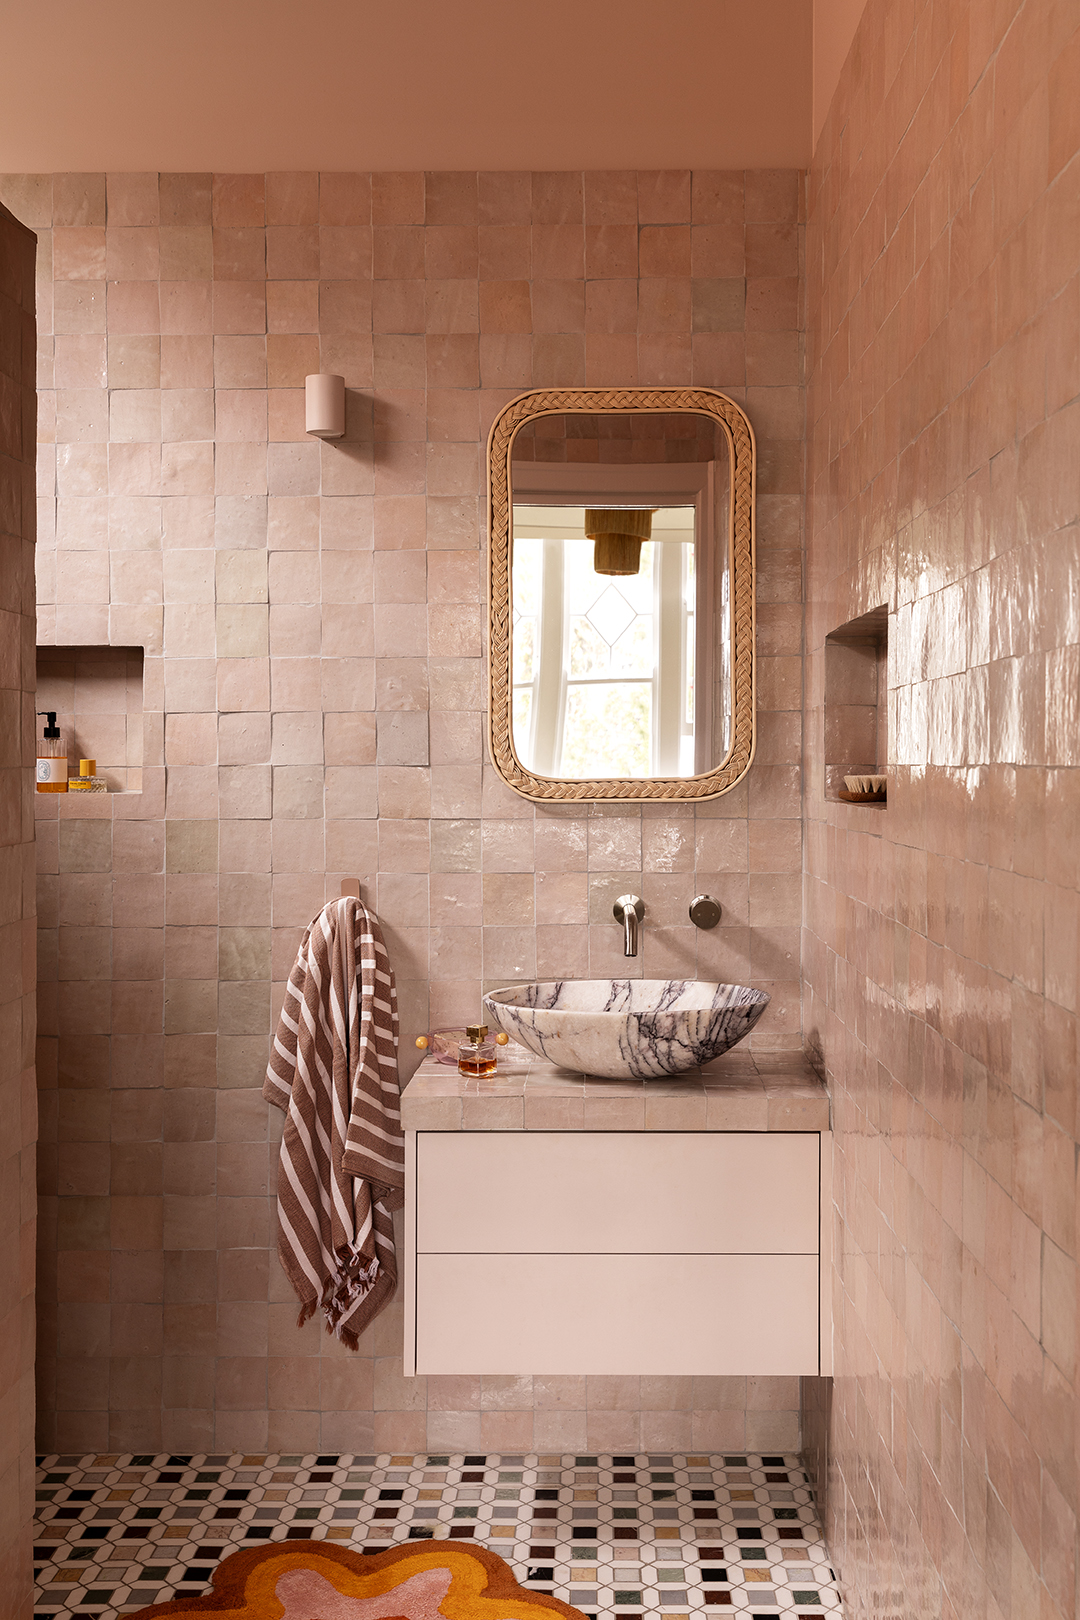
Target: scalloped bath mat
x,y
319,1581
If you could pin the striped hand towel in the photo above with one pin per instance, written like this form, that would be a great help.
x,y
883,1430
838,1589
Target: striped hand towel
x,y
333,1071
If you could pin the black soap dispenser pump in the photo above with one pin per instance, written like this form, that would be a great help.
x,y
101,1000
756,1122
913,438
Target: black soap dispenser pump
x,y
52,771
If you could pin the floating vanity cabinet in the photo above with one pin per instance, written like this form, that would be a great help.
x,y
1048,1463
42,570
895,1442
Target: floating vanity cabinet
x,y
615,1251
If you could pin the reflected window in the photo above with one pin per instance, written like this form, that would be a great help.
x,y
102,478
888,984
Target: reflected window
x,y
603,667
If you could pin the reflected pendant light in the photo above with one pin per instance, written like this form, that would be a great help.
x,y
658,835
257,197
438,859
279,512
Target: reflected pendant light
x,y
617,538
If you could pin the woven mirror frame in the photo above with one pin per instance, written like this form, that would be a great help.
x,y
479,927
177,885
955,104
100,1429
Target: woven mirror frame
x,y
741,450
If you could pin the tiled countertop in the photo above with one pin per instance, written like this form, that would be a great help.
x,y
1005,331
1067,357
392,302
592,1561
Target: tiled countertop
x,y
742,1091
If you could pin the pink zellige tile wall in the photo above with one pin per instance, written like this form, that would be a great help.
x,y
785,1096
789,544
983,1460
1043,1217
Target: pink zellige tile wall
x,y
18,1111
941,934
313,685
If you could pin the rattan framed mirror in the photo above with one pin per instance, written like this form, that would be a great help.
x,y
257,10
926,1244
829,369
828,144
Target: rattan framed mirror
x,y
621,594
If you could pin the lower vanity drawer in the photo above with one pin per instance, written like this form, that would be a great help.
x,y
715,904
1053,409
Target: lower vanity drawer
x,y
724,1314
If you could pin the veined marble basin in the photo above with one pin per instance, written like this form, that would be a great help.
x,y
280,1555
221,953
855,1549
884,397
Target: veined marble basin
x,y
626,1029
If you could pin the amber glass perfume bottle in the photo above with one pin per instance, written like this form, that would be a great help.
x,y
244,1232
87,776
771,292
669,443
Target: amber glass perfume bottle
x,y
476,1054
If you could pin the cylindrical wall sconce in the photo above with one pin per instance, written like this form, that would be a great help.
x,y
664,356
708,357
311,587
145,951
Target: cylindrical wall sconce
x,y
324,398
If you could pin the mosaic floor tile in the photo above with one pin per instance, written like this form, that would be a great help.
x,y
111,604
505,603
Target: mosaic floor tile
x,y
637,1535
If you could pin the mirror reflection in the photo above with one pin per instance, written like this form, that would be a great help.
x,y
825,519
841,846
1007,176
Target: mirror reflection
x,y
620,600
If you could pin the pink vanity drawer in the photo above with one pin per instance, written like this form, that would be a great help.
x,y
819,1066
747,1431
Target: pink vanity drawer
x,y
628,1192
675,1314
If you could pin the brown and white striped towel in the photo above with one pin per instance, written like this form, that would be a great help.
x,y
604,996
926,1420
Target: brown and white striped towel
x,y
333,1070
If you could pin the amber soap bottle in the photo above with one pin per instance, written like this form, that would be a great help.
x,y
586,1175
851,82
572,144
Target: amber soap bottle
x,y
52,769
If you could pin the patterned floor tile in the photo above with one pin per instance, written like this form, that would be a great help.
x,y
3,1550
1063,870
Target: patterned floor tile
x,y
648,1536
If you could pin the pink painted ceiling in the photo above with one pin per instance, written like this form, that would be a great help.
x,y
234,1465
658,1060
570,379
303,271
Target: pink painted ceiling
x,y
411,84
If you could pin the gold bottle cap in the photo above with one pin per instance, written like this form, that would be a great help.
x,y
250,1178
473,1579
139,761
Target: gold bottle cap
x,y
88,767
476,1032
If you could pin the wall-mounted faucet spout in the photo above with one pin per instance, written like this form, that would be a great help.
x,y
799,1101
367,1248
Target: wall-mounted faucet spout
x,y
629,909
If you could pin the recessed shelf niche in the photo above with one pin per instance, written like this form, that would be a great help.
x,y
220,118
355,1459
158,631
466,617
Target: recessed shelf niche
x,y
857,700
97,693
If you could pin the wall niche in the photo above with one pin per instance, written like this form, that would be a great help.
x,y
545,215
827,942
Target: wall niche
x,y
97,693
857,700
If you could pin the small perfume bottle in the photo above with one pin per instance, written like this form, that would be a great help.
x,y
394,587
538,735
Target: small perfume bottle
x,y
476,1054
87,780
52,776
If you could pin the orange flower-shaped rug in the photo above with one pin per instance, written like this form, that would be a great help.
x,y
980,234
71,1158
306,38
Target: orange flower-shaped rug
x,y
318,1581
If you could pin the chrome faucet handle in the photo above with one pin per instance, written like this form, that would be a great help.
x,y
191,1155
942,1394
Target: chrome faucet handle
x,y
629,909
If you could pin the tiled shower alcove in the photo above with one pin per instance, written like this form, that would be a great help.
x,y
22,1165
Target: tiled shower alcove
x,y
97,694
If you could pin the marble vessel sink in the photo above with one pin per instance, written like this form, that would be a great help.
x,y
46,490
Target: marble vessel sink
x,y
626,1029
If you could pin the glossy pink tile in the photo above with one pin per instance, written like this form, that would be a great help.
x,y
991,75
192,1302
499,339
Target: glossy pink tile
x,y
940,948
318,705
